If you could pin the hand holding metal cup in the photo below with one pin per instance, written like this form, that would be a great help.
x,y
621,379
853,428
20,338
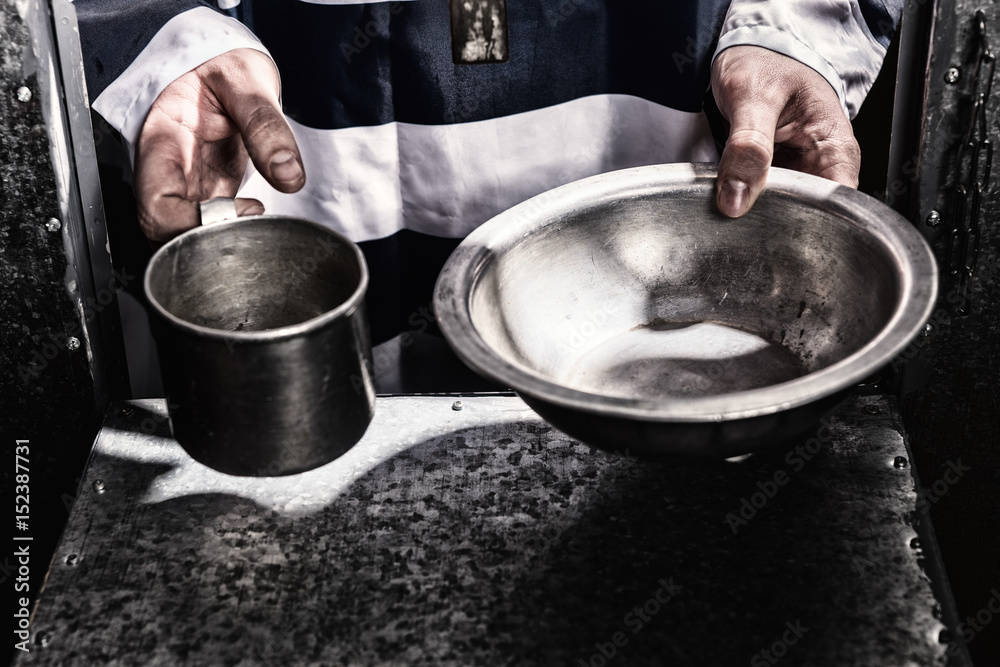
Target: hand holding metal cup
x,y
263,340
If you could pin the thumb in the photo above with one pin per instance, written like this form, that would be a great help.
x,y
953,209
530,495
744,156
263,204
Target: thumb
x,y
746,158
248,92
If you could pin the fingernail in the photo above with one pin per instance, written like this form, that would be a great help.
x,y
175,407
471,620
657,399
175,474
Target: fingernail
x,y
253,209
285,168
733,198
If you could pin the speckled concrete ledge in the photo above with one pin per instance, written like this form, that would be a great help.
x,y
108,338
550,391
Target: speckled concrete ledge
x,y
485,537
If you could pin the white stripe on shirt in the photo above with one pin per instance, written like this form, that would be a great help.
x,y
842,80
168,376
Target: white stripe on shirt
x,y
446,180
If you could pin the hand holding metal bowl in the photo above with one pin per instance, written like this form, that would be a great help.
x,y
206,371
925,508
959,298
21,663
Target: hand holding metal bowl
x,y
263,342
633,316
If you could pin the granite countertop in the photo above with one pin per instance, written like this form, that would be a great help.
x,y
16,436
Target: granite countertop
x,y
483,536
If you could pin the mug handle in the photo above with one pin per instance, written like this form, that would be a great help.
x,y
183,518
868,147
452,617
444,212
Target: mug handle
x,y
217,210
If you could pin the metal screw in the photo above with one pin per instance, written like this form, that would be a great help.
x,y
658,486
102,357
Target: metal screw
x,y
99,485
24,94
900,462
933,219
53,225
72,343
457,405
72,559
126,411
952,75
871,409
43,638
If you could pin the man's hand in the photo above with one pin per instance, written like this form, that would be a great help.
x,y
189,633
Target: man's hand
x,y
777,108
194,143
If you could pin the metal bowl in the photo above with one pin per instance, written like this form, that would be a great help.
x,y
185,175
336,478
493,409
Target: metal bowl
x,y
630,314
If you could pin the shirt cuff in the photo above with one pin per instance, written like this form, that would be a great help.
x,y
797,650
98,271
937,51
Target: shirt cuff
x,y
831,37
182,44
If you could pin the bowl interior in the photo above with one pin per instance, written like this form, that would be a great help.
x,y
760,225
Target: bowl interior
x,y
254,274
657,295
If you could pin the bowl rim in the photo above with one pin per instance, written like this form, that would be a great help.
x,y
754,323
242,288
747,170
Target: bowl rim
x,y
916,267
341,311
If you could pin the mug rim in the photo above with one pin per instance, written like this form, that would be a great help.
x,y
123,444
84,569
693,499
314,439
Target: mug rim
x,y
342,310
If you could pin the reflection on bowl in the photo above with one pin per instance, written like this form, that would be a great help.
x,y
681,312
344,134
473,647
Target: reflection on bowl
x,y
632,315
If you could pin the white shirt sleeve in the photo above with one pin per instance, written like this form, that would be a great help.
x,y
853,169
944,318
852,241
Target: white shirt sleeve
x,y
830,36
182,44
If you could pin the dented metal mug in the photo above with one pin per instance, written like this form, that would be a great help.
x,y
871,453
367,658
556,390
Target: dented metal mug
x,y
263,342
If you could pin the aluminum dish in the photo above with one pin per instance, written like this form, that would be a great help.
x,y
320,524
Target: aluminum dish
x,y
633,316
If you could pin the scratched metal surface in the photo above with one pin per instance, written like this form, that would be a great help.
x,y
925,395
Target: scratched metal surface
x,y
485,537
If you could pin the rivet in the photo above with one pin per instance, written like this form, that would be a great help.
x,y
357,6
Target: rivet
x,y
933,219
53,225
871,409
457,405
952,75
915,543
72,343
72,560
900,462
24,94
99,485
